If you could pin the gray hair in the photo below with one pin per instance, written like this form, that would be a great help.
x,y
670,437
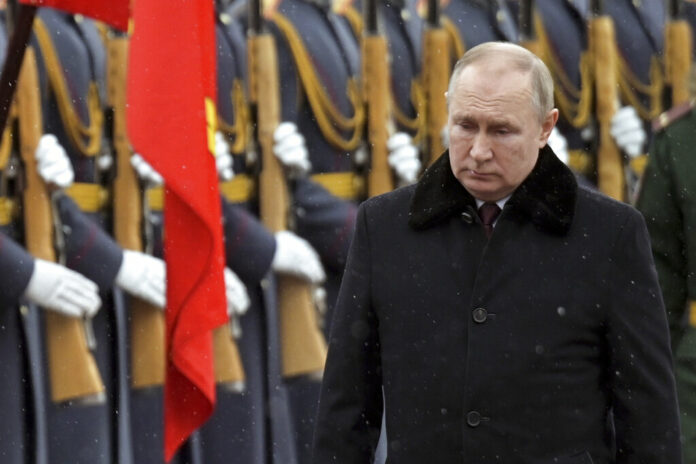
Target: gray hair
x,y
519,59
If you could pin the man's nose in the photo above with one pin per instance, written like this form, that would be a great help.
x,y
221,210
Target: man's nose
x,y
481,148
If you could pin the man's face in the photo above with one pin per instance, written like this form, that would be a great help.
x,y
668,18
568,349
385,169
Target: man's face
x,y
494,130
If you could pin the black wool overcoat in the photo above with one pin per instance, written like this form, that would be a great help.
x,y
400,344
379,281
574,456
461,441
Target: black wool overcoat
x,y
547,343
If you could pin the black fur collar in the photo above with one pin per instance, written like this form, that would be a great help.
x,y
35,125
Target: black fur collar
x,y
546,197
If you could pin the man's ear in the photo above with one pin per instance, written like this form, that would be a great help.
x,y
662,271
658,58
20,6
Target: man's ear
x,y
547,126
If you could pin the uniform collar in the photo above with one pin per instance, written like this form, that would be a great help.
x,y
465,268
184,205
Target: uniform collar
x,y
546,197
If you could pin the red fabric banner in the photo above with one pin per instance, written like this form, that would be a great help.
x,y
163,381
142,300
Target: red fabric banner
x,y
171,123
112,12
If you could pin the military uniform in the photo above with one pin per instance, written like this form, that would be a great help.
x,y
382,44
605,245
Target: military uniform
x,y
667,201
640,39
72,62
319,59
562,33
238,430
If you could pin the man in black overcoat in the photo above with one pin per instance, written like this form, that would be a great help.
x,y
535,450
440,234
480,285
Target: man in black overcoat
x,y
535,334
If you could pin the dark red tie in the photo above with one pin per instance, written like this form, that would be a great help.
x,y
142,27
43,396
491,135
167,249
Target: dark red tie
x,y
488,212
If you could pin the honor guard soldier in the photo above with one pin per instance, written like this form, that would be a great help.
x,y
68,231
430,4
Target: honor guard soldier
x,y
666,199
402,28
27,283
319,62
239,428
561,30
72,61
639,27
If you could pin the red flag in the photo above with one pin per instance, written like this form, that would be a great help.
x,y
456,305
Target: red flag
x,y
113,12
171,123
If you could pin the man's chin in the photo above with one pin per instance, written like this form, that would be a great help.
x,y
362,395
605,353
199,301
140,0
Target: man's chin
x,y
485,191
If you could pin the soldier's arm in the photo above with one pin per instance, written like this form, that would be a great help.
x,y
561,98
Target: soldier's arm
x,y
249,245
325,221
88,249
16,267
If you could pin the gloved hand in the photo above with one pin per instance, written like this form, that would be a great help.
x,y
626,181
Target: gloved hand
x,y
62,290
223,158
145,172
296,256
403,157
143,276
236,293
290,149
559,145
628,132
52,162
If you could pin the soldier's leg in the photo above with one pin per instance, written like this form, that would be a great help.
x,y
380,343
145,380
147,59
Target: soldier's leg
x,y
12,400
80,433
237,430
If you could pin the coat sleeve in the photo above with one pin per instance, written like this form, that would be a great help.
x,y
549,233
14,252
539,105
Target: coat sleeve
x,y
249,245
658,201
350,405
325,221
88,249
639,371
16,268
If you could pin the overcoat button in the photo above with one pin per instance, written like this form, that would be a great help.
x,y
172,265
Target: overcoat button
x,y
480,315
467,217
473,418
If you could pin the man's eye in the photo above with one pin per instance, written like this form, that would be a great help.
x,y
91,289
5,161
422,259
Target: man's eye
x,y
502,131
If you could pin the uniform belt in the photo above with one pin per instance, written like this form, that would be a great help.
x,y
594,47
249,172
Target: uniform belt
x,y
237,190
580,161
8,210
155,198
346,185
90,198
692,313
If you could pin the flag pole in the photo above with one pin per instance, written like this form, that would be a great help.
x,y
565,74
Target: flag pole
x,y
14,57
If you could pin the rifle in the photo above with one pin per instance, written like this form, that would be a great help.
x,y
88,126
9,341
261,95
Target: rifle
x,y
602,43
376,91
302,343
147,322
73,371
677,56
436,70
525,21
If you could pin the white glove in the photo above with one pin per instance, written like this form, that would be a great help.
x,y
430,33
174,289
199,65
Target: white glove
x,y
223,158
53,163
628,132
146,172
290,149
559,145
296,256
236,293
59,289
403,157
143,276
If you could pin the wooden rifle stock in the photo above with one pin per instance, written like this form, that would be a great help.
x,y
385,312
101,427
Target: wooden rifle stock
x,y
303,344
376,91
436,71
73,371
610,170
678,59
147,321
